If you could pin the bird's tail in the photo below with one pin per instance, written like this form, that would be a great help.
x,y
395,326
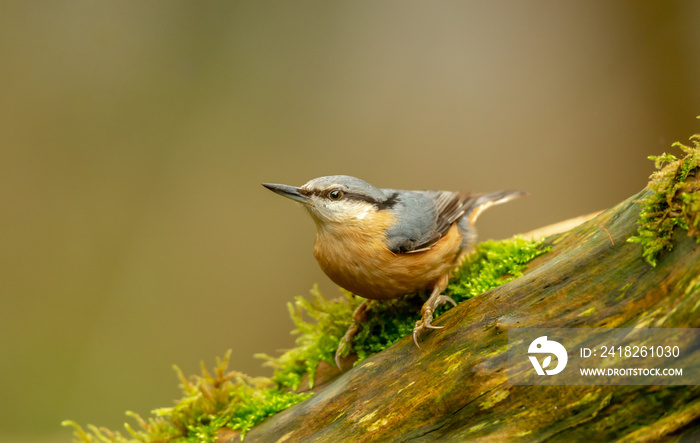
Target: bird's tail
x,y
481,202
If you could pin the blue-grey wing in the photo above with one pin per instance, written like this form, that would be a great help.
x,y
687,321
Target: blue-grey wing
x,y
424,217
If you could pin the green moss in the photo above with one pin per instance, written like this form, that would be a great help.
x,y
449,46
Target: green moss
x,y
229,399
492,264
318,339
224,399
674,203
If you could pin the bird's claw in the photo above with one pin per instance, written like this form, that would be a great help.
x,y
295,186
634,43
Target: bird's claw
x,y
443,298
344,342
359,316
422,325
415,337
339,351
427,321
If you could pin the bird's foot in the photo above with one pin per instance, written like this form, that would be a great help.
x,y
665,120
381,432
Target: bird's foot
x,y
344,343
426,322
358,317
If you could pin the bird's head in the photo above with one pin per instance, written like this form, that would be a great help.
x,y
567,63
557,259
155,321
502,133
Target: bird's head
x,y
336,199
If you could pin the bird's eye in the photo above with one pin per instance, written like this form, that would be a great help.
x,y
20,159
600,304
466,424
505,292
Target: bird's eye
x,y
335,194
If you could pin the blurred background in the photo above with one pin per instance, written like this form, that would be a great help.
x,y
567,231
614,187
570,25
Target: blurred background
x,y
134,233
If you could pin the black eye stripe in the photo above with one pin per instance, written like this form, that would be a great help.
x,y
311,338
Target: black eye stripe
x,y
347,195
389,203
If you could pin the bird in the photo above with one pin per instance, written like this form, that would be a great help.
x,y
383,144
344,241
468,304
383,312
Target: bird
x,y
381,244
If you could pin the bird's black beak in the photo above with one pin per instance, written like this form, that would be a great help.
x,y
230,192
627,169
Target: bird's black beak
x,y
287,191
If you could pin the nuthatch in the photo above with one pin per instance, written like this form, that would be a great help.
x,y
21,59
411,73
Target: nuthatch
x,y
384,243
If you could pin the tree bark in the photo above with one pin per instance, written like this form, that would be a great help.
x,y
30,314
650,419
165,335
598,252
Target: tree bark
x,y
455,388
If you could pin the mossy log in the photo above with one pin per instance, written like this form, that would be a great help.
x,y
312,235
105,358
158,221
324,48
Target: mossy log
x,y
455,387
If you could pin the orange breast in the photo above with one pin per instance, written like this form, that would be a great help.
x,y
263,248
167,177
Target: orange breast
x,y
355,257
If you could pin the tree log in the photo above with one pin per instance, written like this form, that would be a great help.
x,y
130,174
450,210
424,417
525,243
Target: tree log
x,y
455,387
